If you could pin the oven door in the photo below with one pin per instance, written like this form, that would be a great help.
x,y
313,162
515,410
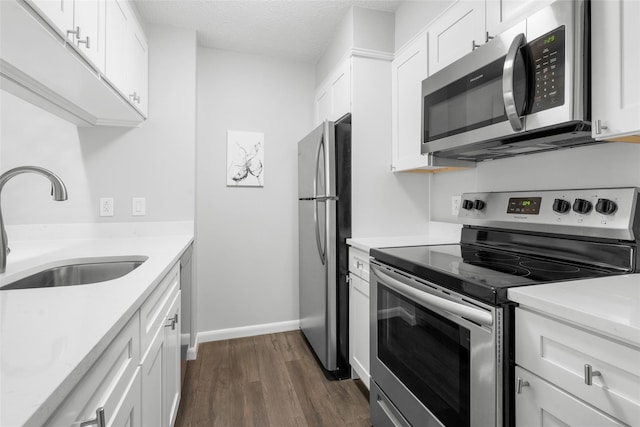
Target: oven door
x,y
435,356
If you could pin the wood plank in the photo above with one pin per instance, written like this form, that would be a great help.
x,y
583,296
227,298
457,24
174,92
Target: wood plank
x,y
268,380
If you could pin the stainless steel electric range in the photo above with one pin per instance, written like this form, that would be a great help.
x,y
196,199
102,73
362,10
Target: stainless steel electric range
x,y
442,327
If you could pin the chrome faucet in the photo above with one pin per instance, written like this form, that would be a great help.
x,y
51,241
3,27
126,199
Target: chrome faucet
x,y
58,191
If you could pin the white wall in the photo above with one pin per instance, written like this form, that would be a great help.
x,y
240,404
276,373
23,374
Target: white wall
x,y
155,161
247,238
615,164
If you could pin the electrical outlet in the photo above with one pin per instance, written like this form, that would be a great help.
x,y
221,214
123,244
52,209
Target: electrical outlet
x,y
138,206
106,206
455,204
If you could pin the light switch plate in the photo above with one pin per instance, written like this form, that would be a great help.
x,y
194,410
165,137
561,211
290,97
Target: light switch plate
x,y
106,206
138,206
455,205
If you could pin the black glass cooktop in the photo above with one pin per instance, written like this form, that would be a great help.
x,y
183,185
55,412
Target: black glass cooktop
x,y
479,272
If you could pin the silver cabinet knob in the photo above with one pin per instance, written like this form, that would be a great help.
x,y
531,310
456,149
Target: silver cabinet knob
x,y
599,127
589,373
521,383
488,37
474,45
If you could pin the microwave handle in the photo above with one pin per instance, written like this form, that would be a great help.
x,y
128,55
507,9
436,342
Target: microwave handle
x,y
508,83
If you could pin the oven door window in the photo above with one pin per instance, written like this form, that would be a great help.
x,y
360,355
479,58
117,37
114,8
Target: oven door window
x,y
428,353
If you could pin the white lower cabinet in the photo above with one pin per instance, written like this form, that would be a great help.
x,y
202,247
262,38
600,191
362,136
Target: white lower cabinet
x,y
359,352
570,376
540,403
112,385
136,381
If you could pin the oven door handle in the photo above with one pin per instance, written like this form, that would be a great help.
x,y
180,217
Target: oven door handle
x,y
429,300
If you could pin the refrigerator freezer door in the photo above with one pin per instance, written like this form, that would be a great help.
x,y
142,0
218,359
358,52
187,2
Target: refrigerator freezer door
x,y
311,161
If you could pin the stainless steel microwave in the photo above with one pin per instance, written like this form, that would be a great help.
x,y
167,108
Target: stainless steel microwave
x,y
526,91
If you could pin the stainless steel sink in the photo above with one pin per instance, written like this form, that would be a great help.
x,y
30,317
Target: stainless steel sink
x,y
80,273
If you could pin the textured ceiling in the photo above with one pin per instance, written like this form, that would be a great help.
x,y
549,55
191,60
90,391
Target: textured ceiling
x,y
294,29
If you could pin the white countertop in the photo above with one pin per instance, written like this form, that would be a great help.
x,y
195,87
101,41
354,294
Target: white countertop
x,y
440,233
50,337
610,305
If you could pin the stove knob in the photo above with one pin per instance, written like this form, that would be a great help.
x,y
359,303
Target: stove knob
x,y
582,206
561,206
606,206
478,204
467,205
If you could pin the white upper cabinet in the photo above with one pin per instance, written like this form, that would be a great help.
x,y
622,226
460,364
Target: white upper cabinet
x,y
126,54
408,69
82,22
333,97
85,61
503,14
455,33
469,24
615,67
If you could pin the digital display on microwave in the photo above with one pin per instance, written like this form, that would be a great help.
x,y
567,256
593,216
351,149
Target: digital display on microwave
x,y
524,205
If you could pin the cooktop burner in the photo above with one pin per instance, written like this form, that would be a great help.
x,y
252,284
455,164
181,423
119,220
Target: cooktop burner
x,y
479,272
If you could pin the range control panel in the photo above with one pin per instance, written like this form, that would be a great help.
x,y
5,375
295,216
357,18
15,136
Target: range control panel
x,y
605,212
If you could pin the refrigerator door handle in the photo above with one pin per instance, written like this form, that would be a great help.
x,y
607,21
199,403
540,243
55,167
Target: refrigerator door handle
x,y
321,250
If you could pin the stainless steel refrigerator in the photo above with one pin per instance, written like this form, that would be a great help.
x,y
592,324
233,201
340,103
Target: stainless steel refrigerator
x,y
324,224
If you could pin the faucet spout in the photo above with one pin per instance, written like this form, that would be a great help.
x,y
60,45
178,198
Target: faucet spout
x,y
58,192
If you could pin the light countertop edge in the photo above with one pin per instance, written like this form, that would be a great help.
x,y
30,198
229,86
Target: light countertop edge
x,y
31,316
609,306
439,233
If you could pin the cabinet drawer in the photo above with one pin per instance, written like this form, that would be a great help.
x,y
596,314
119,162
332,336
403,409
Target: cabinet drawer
x,y
559,352
107,382
154,309
541,404
359,263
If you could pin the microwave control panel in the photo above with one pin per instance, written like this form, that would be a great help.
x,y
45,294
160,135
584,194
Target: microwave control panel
x,y
548,54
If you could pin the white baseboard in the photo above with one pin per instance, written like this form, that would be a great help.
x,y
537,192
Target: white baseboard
x,y
247,331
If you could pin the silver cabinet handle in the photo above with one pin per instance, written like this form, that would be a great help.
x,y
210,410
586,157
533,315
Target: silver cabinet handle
x,y
474,45
521,383
86,43
171,322
99,420
589,373
599,127
75,32
508,83
488,37
359,265
134,96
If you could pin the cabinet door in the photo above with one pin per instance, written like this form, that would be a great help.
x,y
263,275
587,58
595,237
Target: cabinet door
x,y
455,33
58,13
139,62
171,358
359,327
152,370
408,70
116,58
323,105
90,18
615,67
542,404
128,412
503,14
341,91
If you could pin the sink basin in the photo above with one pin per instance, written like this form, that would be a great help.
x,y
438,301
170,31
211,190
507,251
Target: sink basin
x,y
79,273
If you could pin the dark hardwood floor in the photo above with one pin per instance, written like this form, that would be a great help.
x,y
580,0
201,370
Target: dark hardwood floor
x,y
268,380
